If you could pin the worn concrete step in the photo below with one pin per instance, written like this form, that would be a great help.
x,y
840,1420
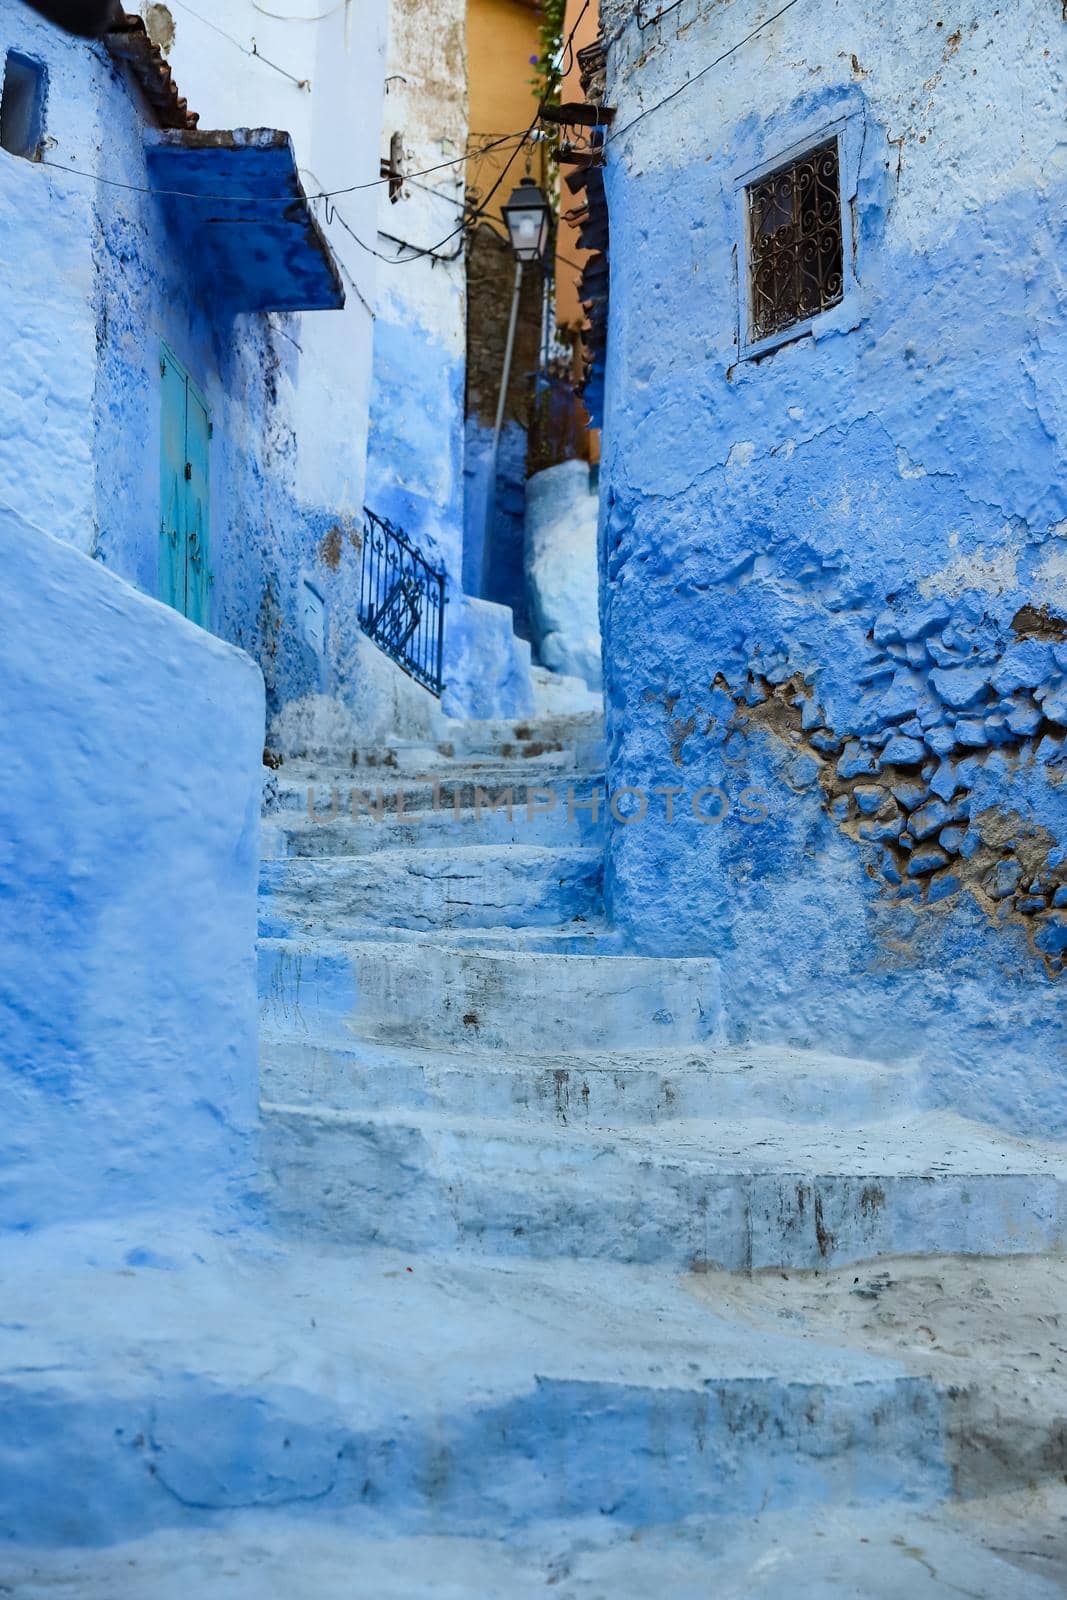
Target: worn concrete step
x,y
412,759
331,795
565,730
988,1332
155,1379
479,886
557,693
589,937
895,1551
614,1088
483,998
738,1195
444,829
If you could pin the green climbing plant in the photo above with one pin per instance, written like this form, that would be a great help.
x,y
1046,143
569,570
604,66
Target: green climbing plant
x,y
547,84
548,75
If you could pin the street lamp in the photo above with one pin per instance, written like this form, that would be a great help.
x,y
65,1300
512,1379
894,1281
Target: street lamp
x,y
529,222
528,218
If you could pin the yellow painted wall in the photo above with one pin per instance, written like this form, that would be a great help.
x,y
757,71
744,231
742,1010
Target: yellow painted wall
x,y
502,35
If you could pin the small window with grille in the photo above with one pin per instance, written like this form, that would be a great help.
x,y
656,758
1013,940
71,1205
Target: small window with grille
x,y
795,249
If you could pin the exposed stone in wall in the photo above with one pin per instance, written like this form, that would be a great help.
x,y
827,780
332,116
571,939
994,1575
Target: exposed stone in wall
x,y
946,700
159,21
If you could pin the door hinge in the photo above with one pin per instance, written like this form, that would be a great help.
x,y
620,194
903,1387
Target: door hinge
x,y
188,472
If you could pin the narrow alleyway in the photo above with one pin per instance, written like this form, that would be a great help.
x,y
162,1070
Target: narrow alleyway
x,y
420,1178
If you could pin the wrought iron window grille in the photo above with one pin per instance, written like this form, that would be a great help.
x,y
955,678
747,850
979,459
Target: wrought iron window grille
x,y
796,250
402,602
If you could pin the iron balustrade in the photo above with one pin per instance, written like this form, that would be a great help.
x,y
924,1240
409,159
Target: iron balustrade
x,y
402,602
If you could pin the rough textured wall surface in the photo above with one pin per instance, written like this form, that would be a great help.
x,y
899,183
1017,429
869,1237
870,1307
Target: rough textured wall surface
x,y
835,578
561,569
415,461
129,819
95,278
493,559
47,322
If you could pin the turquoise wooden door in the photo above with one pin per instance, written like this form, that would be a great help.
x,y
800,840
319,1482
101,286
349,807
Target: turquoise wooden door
x,y
184,494
197,510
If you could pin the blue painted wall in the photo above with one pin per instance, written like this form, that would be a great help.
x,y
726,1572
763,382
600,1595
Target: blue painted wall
x,y
836,576
129,817
93,277
415,456
417,477
497,573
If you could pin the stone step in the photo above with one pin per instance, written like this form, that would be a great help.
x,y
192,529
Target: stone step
x,y
478,886
482,998
332,795
988,1332
737,1195
589,938
444,829
180,1375
614,1088
412,759
821,1553
555,730
544,742
556,692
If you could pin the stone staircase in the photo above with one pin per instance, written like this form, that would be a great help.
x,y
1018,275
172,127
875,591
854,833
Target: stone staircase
x,y
442,1000
534,1294
456,1056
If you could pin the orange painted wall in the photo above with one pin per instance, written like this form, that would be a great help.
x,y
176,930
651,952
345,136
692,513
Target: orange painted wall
x,y
569,258
502,35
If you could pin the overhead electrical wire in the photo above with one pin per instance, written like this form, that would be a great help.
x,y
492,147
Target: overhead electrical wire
x,y
279,16
420,252
254,53
322,194
617,133
524,136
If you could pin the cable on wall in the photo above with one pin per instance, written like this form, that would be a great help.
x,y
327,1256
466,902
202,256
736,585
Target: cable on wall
x,y
617,133
221,199
279,16
254,53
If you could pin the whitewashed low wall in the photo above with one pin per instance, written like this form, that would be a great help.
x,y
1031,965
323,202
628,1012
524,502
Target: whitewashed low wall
x,y
561,570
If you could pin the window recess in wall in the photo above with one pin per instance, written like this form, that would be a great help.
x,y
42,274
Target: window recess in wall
x,y
795,245
22,105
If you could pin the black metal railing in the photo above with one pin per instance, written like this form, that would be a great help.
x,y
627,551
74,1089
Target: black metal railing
x,y
402,601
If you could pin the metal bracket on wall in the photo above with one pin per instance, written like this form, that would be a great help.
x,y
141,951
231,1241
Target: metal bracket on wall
x,y
393,167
